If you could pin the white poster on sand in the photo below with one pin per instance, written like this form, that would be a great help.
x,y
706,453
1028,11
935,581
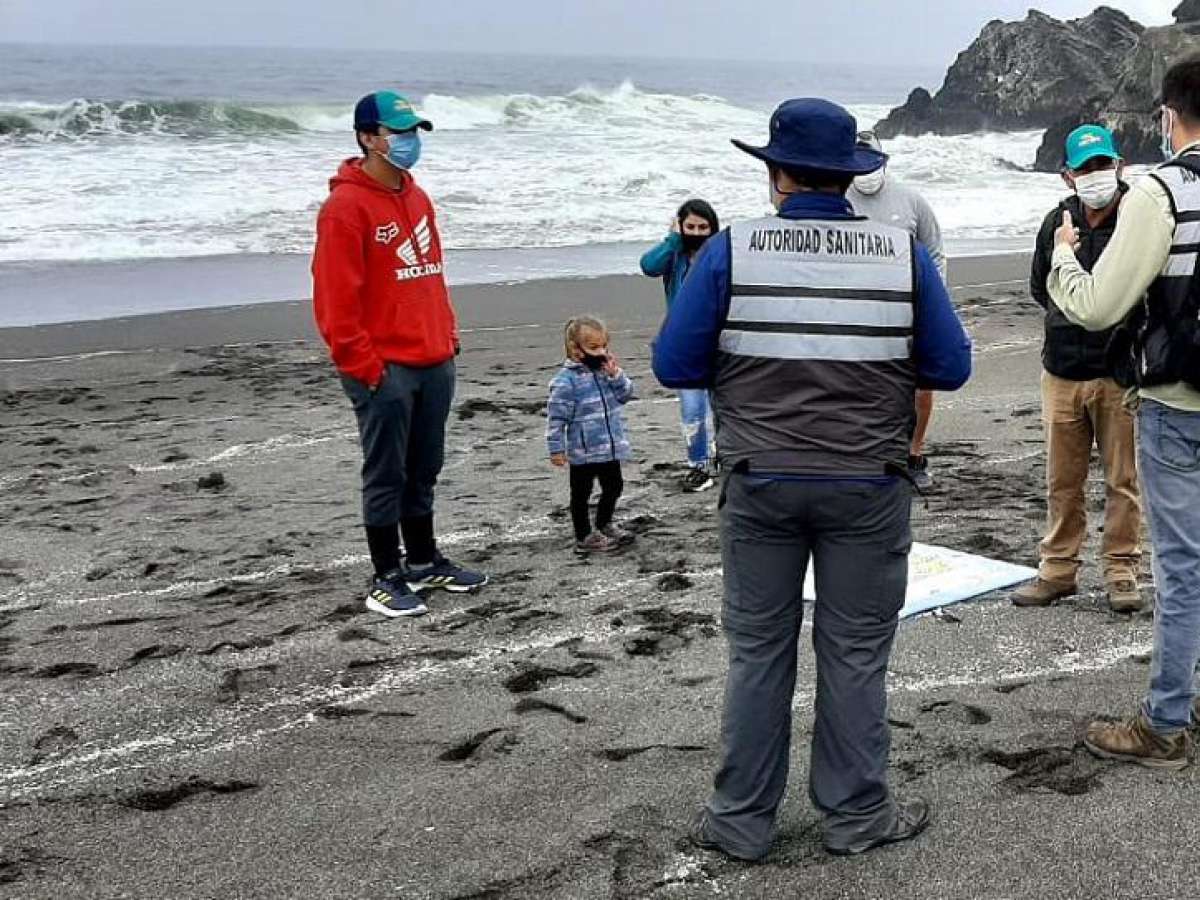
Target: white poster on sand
x,y
939,576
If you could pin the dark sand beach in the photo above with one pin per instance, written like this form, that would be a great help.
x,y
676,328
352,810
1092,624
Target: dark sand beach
x,y
196,704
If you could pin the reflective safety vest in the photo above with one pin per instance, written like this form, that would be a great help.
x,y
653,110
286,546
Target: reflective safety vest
x,y
815,374
1159,342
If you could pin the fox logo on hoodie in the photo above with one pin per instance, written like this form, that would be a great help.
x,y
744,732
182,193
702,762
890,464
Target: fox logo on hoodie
x,y
385,234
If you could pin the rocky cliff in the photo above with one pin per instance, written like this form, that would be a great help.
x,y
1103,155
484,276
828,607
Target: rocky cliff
x,y
1130,110
1187,11
1019,75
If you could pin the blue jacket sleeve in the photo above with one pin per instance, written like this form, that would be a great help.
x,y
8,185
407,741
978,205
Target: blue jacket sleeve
x,y
657,260
560,412
622,387
684,352
941,348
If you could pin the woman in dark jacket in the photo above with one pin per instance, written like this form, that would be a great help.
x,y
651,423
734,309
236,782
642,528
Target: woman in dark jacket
x,y
694,223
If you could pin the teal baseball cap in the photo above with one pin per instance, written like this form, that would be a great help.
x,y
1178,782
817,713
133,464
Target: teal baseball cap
x,y
1087,142
389,109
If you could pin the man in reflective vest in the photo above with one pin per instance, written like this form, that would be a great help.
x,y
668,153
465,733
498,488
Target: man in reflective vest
x,y
1147,280
813,329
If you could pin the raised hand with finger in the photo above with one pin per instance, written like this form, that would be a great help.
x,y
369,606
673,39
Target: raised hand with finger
x,y
1067,233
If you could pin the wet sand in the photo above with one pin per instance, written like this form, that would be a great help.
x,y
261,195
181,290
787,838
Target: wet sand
x,y
195,703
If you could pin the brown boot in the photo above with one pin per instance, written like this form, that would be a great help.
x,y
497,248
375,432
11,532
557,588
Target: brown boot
x,y
1124,596
1134,741
1041,592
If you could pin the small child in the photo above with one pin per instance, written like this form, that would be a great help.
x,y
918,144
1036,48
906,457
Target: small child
x,y
585,428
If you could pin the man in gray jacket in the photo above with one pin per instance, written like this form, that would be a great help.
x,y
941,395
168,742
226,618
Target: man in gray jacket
x,y
882,198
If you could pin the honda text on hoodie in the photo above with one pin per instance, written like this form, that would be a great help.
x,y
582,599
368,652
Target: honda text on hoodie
x,y
378,291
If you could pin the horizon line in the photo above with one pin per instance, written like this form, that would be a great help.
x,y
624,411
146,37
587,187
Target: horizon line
x,y
176,45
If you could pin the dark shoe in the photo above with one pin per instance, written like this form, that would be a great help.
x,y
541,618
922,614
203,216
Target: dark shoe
x,y
912,817
1041,592
1124,596
918,471
595,542
699,836
1134,741
617,534
442,573
392,597
697,479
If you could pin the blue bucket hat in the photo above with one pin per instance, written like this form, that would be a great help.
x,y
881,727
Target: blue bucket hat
x,y
808,133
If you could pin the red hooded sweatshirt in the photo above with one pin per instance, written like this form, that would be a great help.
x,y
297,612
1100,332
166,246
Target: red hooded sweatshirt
x,y
378,291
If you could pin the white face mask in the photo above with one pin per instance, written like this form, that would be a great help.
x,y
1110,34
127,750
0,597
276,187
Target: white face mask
x,y
1097,189
871,183
1166,125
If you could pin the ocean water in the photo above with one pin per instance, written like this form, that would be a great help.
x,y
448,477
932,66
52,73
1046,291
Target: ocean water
x,y
539,166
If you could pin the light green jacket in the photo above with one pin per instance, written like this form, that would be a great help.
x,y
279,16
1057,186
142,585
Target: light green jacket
x,y
1134,258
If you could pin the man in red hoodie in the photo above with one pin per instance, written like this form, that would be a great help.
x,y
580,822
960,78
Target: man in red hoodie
x,y
382,306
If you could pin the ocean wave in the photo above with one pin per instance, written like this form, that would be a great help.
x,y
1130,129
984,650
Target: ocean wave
x,y
585,106
586,167
96,118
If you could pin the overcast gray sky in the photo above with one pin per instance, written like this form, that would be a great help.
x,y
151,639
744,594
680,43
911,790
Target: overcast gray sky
x,y
920,32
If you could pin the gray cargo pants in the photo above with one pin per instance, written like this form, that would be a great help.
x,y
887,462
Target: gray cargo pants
x,y
402,427
858,537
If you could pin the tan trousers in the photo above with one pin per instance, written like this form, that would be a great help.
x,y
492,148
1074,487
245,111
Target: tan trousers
x,y
1078,414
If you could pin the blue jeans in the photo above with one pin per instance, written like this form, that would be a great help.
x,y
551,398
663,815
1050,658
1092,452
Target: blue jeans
x,y
1169,459
693,411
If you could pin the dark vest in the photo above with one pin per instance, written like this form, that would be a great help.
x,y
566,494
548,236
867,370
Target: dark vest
x,y
815,374
1071,351
1159,342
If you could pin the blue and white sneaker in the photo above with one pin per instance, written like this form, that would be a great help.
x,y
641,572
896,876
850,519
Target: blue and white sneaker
x,y
442,573
392,597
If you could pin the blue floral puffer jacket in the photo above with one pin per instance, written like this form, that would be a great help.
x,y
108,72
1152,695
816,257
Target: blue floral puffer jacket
x,y
584,417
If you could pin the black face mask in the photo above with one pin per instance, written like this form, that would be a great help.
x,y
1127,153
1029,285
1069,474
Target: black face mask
x,y
595,363
693,242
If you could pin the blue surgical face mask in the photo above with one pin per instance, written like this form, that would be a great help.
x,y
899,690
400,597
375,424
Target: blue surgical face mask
x,y
404,149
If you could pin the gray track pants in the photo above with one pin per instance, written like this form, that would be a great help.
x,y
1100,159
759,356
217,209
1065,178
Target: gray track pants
x,y
858,538
402,427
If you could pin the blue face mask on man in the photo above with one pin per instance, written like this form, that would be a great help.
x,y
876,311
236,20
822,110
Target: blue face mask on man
x,y
404,149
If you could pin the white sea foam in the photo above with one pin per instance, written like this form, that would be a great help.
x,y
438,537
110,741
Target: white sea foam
x,y
595,165
255,451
